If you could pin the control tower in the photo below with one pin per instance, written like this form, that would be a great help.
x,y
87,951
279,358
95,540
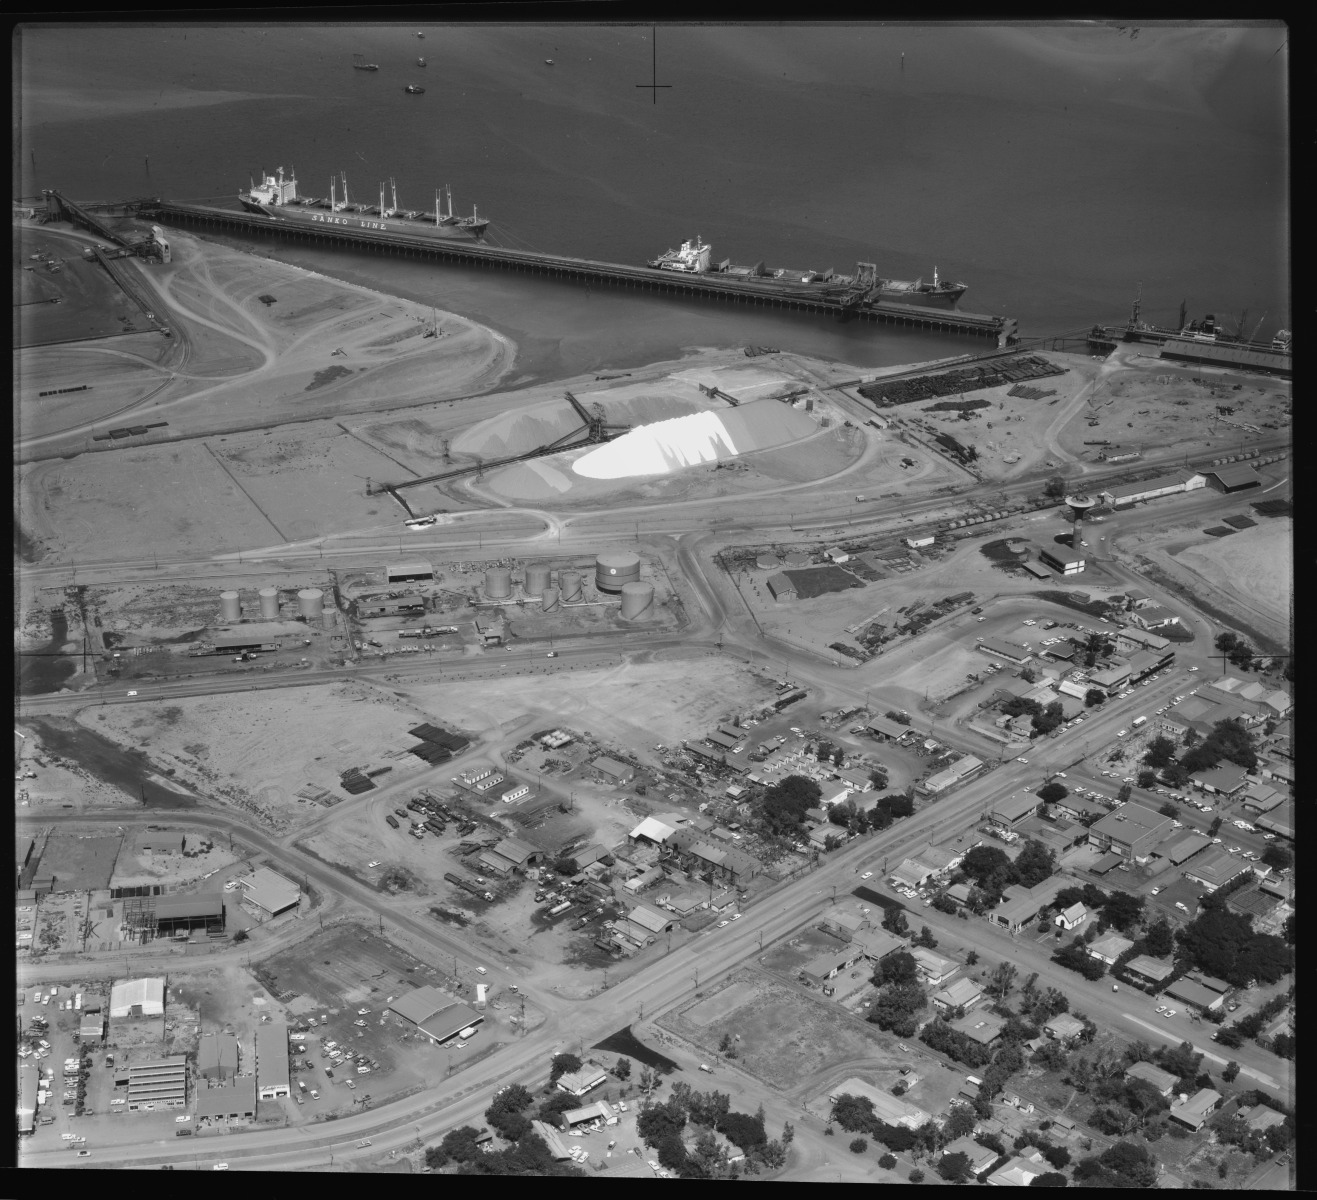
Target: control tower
x,y
1079,503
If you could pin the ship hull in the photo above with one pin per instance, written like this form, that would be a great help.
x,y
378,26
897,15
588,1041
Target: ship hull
x,y
893,291
294,214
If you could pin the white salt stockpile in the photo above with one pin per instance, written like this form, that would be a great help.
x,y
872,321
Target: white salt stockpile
x,y
668,446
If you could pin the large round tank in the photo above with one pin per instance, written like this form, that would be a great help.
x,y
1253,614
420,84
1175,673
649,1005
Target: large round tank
x,y
230,606
570,583
269,598
768,562
537,578
613,571
328,619
637,600
797,558
498,583
311,603
549,600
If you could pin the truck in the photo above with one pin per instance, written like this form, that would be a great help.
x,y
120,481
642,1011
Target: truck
x,y
418,832
468,886
392,820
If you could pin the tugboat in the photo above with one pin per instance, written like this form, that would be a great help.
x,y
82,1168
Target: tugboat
x,y
414,90
360,63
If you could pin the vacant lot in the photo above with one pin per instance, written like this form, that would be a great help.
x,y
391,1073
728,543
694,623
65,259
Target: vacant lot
x,y
786,1035
80,862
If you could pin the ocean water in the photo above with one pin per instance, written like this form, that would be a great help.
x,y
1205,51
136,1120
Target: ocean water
x,y
1053,169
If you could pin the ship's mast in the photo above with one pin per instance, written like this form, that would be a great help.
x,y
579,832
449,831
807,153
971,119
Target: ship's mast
x,y
437,214
343,175
394,187
449,191
333,202
934,268
381,197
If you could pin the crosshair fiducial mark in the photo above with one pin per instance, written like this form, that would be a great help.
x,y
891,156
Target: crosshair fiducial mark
x,y
654,85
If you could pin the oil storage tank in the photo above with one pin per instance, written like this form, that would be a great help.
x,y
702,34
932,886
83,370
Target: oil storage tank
x,y
269,598
311,603
570,584
537,578
498,583
637,601
612,572
230,606
549,600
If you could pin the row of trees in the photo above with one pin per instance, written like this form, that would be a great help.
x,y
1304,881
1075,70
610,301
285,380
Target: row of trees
x,y
661,1125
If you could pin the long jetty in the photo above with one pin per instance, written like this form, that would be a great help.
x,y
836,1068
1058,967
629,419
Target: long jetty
x,y
473,252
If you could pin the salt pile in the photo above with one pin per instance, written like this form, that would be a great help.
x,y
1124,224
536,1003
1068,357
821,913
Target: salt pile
x,y
667,446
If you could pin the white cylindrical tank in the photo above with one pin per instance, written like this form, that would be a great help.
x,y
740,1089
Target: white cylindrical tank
x,y
498,583
537,578
311,603
637,600
328,619
768,562
269,598
549,600
613,571
570,583
230,606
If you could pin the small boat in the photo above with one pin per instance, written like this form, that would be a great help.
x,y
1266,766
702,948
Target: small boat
x,y
420,62
419,34
413,90
548,62
360,63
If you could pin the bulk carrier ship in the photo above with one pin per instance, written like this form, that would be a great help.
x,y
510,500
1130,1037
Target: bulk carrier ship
x,y
277,198
695,258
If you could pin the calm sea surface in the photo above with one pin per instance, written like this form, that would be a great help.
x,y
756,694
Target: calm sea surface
x,y
1051,169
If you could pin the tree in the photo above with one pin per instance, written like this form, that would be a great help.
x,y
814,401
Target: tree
x,y
899,804
1050,793
1093,697
990,868
1034,863
1148,778
1050,718
1283,1045
460,1144
1049,1179
1157,939
784,804
853,1113
1160,752
505,1112
896,1007
1057,1156
971,958
954,1167
1001,981
1054,489
887,1162
563,1064
1230,1071
1126,791
925,938
960,1123
1122,910
894,921
858,1145
916,1176
1168,809
878,779
897,968
1278,856
241,936
622,1069
945,904
1029,675
559,1102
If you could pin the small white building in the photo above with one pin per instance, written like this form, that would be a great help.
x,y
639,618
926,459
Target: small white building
x,y
1076,914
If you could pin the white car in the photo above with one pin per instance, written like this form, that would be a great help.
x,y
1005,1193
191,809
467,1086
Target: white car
x,y
361,1012
1232,849
183,1120
867,875
1216,841
360,1024
1161,1008
376,863
736,916
1193,668
1060,775
1181,906
132,693
481,971
1170,1012
1268,837
220,1167
1156,891
1023,760
361,1145
722,923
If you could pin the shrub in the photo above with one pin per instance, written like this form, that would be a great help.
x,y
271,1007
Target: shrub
x,y
887,1162
858,1145
916,1176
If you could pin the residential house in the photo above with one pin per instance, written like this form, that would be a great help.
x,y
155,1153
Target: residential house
x,y
963,993
1225,779
829,964
1191,992
844,923
980,1157
1064,1028
984,1027
1010,811
1216,868
1076,914
1163,1081
1108,948
1020,906
934,969
1149,970
1194,1112
1261,1118
1019,1172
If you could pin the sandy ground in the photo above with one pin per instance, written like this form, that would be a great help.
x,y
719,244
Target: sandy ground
x,y
1249,573
322,345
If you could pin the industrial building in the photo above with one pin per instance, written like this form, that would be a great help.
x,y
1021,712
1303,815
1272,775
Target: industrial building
x,y
1237,478
408,572
781,587
1131,831
1021,906
233,1101
217,1056
958,772
1151,489
578,1083
434,1013
1004,649
381,606
1062,559
617,771
161,841
185,914
137,998
161,1084
269,893
1011,810
29,1080
272,1061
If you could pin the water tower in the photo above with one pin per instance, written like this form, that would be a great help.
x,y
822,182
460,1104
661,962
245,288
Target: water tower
x,y
1079,503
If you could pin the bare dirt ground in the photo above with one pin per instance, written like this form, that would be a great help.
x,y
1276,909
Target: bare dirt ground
x,y
1147,403
1249,573
320,345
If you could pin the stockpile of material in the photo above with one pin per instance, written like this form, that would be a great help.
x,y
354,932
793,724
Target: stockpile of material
x,y
667,446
